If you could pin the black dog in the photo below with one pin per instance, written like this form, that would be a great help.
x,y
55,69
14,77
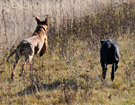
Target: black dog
x,y
109,54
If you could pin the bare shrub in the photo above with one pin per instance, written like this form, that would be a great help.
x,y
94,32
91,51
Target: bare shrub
x,y
17,20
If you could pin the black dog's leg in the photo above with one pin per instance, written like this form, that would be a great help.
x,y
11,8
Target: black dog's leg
x,y
113,71
116,66
104,68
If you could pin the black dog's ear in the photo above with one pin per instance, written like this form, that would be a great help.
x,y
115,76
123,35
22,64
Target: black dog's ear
x,y
38,20
102,41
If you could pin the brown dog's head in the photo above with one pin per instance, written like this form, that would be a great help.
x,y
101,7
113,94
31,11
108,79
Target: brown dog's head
x,y
44,24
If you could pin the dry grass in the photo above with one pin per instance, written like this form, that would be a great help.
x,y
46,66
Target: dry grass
x,y
72,80
17,21
70,73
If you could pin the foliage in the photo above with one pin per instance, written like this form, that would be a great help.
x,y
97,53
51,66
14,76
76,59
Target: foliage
x,y
70,72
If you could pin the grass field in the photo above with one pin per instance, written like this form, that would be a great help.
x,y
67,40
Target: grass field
x,y
76,79
70,72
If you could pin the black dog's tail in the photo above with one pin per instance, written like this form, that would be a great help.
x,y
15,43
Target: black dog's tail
x,y
12,53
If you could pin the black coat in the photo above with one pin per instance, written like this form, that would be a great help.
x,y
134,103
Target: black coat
x,y
110,52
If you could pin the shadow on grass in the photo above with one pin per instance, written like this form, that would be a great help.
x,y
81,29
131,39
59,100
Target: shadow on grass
x,y
68,83
34,89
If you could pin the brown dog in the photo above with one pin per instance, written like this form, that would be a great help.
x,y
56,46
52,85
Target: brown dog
x,y
37,43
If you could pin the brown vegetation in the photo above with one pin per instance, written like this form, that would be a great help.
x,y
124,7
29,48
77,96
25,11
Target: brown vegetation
x,y
17,17
70,73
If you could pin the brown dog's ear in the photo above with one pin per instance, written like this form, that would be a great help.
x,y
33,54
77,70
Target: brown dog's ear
x,y
47,20
38,20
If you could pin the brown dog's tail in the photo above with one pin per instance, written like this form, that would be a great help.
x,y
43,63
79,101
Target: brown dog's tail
x,y
12,53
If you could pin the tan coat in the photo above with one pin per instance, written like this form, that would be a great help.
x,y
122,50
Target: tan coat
x,y
37,43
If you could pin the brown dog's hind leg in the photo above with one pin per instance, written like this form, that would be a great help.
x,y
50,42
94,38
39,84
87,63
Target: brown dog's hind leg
x,y
29,53
16,62
27,62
